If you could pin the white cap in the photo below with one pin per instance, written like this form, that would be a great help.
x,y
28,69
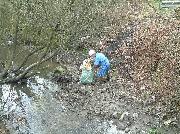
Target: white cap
x,y
91,52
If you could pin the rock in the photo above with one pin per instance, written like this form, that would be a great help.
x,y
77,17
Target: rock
x,y
127,130
150,101
114,115
135,115
172,121
83,87
124,115
117,115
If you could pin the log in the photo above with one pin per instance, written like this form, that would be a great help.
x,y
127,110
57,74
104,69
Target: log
x,y
26,71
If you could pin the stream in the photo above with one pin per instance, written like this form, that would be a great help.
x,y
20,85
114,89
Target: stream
x,y
32,109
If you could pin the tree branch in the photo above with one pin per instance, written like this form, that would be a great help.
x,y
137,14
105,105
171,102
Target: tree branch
x,y
26,71
26,58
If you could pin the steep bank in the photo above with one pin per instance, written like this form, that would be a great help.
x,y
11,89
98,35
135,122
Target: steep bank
x,y
115,101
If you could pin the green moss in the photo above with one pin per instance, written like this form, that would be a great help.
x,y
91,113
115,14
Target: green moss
x,y
60,70
85,51
154,131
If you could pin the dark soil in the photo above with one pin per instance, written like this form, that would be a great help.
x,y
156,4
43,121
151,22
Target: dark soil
x,y
114,100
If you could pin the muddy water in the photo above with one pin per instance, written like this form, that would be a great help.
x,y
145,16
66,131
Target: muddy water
x,y
32,109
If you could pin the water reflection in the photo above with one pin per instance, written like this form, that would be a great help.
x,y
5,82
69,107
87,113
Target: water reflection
x,y
14,105
31,109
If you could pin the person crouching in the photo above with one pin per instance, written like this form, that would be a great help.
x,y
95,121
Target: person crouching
x,y
101,64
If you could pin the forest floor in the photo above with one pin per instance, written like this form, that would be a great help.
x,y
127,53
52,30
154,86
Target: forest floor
x,y
116,101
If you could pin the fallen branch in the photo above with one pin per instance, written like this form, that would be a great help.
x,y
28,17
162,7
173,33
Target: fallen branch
x,y
26,71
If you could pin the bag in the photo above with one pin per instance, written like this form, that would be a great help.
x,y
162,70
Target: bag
x,y
86,76
87,73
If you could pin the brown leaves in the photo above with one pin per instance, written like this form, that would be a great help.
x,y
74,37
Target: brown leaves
x,y
151,55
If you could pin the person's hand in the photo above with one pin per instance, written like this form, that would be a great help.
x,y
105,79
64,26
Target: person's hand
x,y
95,70
81,67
